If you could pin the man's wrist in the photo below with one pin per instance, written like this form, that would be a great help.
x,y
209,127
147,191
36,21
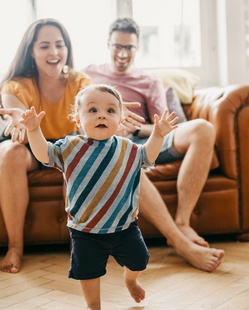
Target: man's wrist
x,y
136,132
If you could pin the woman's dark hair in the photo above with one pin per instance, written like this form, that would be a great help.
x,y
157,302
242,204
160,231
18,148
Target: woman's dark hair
x,y
124,25
23,64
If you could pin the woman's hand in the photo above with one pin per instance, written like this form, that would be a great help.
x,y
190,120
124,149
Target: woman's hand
x,y
15,128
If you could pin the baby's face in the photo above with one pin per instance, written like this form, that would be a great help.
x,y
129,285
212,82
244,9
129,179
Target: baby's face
x,y
99,114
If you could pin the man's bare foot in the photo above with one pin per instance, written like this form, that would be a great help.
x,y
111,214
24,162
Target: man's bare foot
x,y
192,235
204,258
12,261
136,290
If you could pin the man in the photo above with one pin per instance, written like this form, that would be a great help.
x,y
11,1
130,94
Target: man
x,y
191,141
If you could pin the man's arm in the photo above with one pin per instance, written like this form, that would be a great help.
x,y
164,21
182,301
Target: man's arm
x,y
162,127
38,143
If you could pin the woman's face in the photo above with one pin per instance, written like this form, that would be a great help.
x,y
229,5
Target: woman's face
x,y
50,52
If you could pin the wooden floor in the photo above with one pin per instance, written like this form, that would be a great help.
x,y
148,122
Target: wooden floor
x,y
170,282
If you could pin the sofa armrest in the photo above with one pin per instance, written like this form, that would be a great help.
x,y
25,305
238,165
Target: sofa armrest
x,y
227,108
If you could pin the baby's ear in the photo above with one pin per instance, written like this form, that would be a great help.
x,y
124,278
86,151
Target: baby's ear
x,y
77,119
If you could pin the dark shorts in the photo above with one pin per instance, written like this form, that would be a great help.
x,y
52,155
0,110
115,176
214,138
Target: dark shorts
x,y
90,252
168,152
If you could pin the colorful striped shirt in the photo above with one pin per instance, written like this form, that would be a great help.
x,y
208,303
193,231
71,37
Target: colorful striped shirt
x,y
102,181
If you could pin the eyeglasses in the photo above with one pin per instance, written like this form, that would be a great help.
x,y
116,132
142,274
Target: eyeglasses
x,y
130,49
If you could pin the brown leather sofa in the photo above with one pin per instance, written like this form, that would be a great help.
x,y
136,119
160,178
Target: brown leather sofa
x,y
223,206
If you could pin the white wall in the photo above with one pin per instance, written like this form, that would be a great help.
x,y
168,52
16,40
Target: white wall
x,y
224,58
237,60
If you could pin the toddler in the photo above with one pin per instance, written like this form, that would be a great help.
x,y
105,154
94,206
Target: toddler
x,y
102,174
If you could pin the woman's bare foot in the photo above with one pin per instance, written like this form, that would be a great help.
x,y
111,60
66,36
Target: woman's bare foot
x,y
192,235
204,258
12,260
136,290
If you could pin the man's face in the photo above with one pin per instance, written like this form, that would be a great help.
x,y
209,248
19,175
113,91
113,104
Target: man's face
x,y
123,47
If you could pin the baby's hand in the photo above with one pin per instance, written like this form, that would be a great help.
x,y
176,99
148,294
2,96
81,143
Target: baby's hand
x,y
166,124
31,120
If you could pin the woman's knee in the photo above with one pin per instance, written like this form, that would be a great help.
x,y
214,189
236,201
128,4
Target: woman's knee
x,y
13,155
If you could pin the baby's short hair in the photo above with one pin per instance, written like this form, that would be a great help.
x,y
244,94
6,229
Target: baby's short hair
x,y
100,87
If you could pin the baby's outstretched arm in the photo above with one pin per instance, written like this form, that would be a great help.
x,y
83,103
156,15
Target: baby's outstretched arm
x,y
37,142
162,127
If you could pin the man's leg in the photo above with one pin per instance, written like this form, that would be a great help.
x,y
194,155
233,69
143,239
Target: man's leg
x,y
196,140
152,208
15,161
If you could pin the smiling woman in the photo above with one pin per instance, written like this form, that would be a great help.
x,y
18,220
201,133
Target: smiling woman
x,y
35,78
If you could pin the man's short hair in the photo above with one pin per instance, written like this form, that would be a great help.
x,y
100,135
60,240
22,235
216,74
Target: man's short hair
x,y
124,25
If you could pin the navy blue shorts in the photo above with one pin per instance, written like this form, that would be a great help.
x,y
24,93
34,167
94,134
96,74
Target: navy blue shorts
x,y
168,152
90,252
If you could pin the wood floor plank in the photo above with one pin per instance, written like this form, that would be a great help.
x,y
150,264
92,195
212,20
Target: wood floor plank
x,y
16,298
29,304
59,305
239,302
62,297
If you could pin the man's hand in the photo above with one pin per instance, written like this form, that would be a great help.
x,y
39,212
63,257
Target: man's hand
x,y
131,120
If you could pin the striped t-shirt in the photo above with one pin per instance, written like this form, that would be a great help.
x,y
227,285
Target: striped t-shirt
x,y
102,181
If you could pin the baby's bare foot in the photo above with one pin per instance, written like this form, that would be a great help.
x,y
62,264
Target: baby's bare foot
x,y
136,290
12,261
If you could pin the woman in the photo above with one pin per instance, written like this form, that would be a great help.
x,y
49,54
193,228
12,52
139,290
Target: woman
x,y
40,75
